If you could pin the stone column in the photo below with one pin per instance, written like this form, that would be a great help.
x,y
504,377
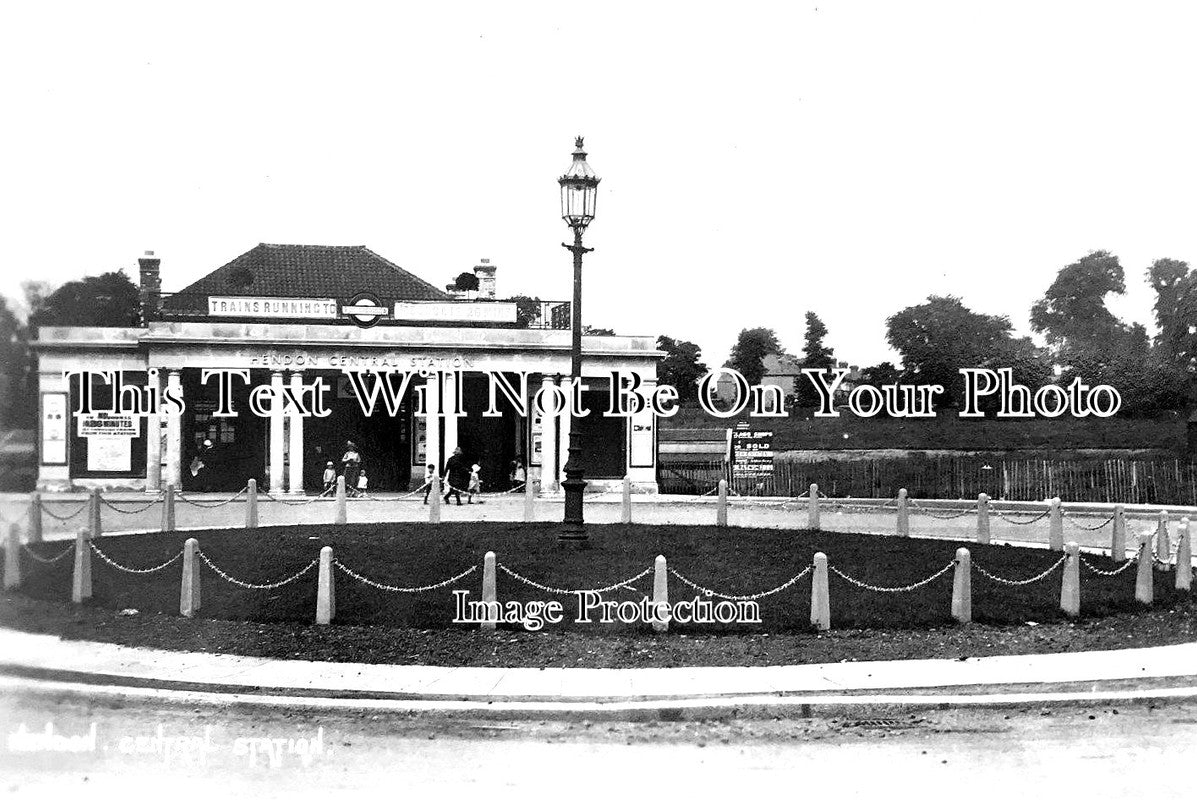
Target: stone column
x,y
564,424
548,442
451,411
295,439
153,443
174,433
432,427
276,431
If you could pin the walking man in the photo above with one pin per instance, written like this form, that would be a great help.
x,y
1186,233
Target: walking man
x,y
457,476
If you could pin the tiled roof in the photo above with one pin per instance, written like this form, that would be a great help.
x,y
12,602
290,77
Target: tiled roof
x,y
292,270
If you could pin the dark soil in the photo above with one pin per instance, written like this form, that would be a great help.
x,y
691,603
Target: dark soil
x,y
382,627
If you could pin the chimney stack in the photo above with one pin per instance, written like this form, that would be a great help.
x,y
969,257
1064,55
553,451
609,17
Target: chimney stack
x,y
486,280
151,287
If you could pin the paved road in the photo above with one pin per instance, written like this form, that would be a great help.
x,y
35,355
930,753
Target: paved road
x,y
1103,751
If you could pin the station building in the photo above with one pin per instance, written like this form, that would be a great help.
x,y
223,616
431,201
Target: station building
x,y
289,313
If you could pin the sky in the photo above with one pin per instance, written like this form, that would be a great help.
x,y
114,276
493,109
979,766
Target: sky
x,y
758,160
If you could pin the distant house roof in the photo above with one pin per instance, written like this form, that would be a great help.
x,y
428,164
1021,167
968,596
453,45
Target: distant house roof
x,y
778,364
293,270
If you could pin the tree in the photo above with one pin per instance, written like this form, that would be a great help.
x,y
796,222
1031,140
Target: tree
x,y
110,300
815,355
681,368
590,330
940,337
1072,314
18,395
748,354
527,310
1175,288
465,282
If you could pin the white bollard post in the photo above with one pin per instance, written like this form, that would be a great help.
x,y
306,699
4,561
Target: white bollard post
x,y
341,512
1144,591
962,587
721,507
12,558
529,501
820,601
1070,585
251,503
95,522
490,595
660,595
1163,542
1055,533
983,518
812,508
326,589
1118,537
903,513
1184,556
626,516
434,499
168,508
35,518
189,593
81,578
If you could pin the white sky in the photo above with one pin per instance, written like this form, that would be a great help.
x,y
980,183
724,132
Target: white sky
x,y
758,160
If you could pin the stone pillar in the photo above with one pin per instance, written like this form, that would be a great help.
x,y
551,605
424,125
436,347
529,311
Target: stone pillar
x,y
548,443
174,433
275,457
432,427
295,439
449,401
153,444
564,424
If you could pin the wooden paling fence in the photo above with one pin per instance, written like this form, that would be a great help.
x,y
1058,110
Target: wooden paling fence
x,y
1147,481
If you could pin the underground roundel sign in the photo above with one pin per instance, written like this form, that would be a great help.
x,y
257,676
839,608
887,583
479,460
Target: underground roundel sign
x,y
364,309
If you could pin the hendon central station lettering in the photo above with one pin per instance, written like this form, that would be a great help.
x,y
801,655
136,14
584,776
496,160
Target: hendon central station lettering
x,y
290,314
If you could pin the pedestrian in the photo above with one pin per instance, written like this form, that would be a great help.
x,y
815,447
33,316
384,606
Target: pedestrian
x,y
351,464
329,477
201,465
475,483
362,483
457,476
429,477
518,475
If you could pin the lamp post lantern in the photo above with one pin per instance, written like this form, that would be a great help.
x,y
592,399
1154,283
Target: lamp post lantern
x,y
579,186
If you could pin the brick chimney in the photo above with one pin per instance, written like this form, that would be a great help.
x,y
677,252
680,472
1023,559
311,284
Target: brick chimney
x,y
151,287
486,279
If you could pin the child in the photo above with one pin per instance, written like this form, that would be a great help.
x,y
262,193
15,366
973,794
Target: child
x,y
330,477
428,478
362,482
475,483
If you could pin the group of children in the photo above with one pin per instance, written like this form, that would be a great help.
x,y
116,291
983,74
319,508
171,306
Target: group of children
x,y
518,476
330,481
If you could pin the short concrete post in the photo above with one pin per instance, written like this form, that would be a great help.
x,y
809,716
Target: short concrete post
x,y
1144,591
326,589
820,601
95,524
35,517
341,514
490,595
982,518
168,508
1070,586
903,513
962,587
721,507
1184,556
1163,542
12,558
81,579
812,508
434,499
660,595
529,501
1055,532
626,516
1118,537
189,593
251,503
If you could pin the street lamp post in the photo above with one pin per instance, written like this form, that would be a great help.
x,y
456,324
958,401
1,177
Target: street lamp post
x,y
579,186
